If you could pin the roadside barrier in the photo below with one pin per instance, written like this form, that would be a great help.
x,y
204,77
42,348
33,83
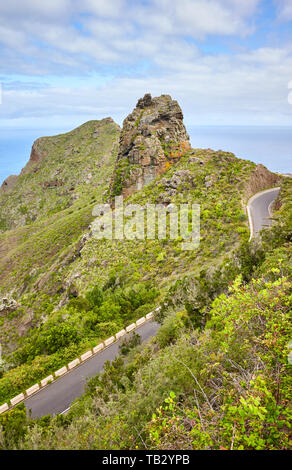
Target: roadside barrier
x,y
32,389
14,401
76,362
61,371
86,355
98,348
47,381
131,327
120,334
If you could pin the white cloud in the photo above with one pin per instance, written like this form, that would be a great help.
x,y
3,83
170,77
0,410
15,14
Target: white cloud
x,y
113,31
105,8
53,9
134,47
246,88
284,9
198,18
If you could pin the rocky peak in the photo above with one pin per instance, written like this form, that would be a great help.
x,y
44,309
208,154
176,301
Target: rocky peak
x,y
144,102
153,137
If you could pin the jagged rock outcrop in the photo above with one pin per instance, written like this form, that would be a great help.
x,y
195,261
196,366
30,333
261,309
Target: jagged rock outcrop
x,y
153,137
8,184
8,303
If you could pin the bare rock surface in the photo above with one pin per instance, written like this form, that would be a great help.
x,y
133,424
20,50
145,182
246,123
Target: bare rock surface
x,y
153,137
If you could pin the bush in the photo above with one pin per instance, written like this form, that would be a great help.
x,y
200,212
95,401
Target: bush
x,y
171,329
129,342
13,426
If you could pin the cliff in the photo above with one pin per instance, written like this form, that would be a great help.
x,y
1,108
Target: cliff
x,y
61,170
153,137
8,184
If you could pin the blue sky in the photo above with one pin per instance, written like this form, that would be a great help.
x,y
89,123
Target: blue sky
x,y
64,62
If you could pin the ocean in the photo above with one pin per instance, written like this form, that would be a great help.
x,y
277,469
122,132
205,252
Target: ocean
x,y
271,146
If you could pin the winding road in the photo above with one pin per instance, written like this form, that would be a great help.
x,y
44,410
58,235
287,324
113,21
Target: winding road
x,y
259,210
56,398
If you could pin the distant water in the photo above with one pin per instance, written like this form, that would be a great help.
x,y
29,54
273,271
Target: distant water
x,y
271,146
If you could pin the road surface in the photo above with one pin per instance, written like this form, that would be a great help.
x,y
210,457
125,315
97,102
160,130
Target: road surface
x,y
259,210
57,397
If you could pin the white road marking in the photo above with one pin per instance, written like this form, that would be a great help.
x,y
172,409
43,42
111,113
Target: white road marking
x,y
269,208
250,223
67,409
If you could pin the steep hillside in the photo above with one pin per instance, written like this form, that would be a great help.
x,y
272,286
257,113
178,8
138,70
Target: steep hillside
x,y
224,385
61,170
50,205
62,289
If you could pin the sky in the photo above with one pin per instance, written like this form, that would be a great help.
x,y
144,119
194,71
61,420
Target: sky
x,y
64,62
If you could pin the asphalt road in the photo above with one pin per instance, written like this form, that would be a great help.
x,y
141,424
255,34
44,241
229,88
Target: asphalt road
x,y
259,210
57,397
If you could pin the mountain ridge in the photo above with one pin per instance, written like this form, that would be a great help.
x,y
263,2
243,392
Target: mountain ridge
x,y
63,290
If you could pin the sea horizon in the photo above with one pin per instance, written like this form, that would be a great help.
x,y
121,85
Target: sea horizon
x,y
268,145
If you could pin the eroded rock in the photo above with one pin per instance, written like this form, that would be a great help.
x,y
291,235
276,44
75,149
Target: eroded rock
x,y
8,303
153,138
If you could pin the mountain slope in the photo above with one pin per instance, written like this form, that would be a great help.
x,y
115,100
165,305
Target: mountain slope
x,y
32,253
67,290
61,169
225,386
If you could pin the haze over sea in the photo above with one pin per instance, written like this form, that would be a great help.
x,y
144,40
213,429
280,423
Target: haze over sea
x,y
271,146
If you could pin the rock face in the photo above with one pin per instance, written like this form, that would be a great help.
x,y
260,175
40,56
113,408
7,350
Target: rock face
x,y
37,155
7,303
172,185
8,184
260,179
153,137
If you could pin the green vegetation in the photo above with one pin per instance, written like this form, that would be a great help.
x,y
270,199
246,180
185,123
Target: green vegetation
x,y
122,172
83,323
139,119
71,166
33,256
48,275
222,386
215,376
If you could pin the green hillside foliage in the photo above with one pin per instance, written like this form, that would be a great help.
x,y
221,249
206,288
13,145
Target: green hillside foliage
x,y
216,375
224,383
68,167
32,256
48,267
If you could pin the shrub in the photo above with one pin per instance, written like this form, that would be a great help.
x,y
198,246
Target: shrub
x,y
171,329
129,342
